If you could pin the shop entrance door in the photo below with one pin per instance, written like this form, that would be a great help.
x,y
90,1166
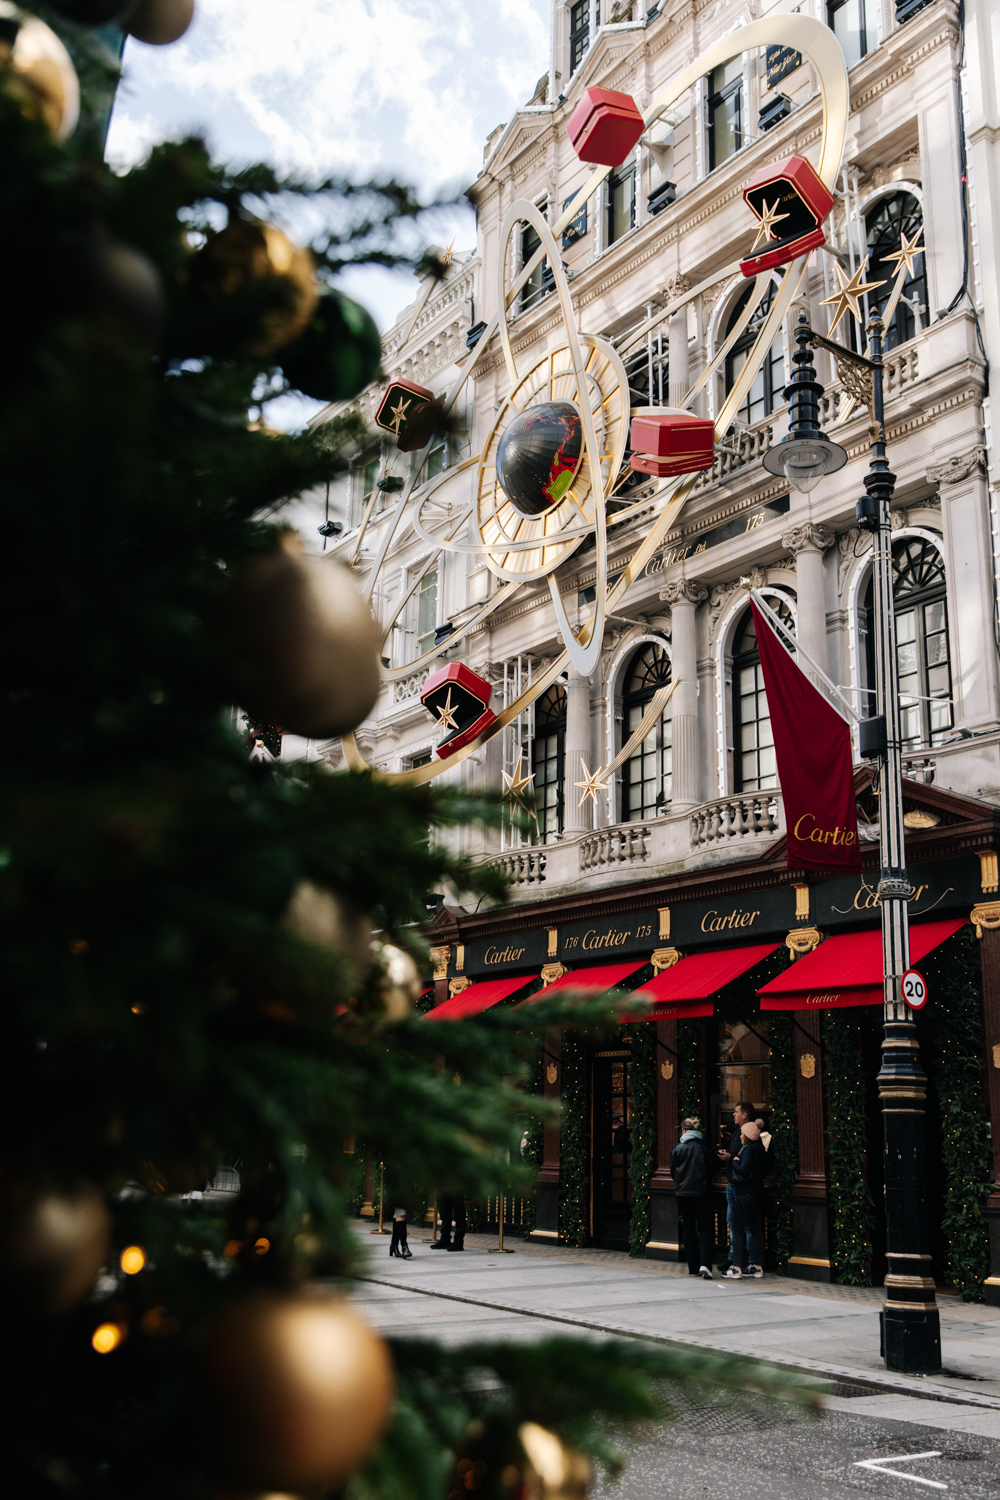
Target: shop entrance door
x,y
611,1150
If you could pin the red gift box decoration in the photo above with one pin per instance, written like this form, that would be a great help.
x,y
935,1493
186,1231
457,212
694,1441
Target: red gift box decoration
x,y
604,127
668,441
460,701
792,200
410,412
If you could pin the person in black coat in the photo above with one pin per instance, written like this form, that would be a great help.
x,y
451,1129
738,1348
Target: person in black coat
x,y
749,1170
691,1167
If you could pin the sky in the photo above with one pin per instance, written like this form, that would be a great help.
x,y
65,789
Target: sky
x,y
354,87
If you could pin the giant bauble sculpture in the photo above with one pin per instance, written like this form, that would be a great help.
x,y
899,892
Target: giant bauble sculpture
x,y
538,456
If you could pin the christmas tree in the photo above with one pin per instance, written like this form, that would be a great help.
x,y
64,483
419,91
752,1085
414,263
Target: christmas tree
x,y
186,952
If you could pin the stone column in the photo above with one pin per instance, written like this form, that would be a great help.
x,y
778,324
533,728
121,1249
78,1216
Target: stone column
x,y
811,1259
968,550
678,381
664,1239
577,819
807,543
547,1193
987,920
684,598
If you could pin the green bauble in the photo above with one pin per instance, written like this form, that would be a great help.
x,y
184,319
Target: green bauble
x,y
339,353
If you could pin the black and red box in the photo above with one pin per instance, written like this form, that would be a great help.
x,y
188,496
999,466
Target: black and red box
x,y
459,699
666,441
794,188
604,127
410,412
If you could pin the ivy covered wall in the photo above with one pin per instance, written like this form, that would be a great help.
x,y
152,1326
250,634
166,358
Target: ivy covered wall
x,y
784,1139
850,1201
573,1140
643,1133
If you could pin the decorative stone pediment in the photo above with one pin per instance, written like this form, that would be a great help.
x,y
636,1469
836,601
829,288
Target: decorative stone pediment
x,y
959,467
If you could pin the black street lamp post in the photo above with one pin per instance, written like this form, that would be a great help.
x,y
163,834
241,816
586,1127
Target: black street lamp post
x,y
911,1330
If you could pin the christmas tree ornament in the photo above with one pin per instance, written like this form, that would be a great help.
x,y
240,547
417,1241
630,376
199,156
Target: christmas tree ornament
x,y
92,12
339,353
604,127
459,699
498,1462
159,22
299,644
666,440
552,1470
37,71
94,276
237,261
53,1242
539,455
411,413
301,1386
789,201
321,917
399,985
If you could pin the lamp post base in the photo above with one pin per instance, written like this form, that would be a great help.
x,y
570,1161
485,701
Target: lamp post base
x,y
911,1342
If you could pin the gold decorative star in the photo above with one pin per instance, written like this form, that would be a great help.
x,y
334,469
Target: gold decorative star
x,y
851,292
908,251
514,787
765,229
591,784
399,413
446,256
446,713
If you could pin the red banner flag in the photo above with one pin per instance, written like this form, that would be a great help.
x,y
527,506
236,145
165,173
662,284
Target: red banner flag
x,y
812,746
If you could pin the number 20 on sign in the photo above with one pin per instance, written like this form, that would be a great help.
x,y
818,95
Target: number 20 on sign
x,y
914,989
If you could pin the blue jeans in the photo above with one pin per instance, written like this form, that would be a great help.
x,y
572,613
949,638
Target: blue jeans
x,y
746,1227
730,1211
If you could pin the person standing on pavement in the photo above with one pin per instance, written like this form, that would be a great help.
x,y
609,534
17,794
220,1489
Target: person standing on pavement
x,y
451,1207
749,1169
741,1114
691,1167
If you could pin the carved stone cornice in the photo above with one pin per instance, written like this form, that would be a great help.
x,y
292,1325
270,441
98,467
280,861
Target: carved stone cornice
x,y
808,537
684,591
958,467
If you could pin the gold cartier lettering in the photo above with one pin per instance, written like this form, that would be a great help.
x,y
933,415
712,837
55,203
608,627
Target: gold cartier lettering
x,y
713,922
835,836
865,899
613,939
503,955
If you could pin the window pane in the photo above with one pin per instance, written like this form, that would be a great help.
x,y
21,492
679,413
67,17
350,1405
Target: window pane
x,y
906,625
934,616
730,72
846,24
726,128
427,611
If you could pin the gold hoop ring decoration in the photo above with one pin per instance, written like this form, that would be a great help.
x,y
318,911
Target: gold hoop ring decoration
x,y
817,43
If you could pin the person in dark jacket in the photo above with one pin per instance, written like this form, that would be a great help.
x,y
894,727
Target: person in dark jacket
x,y
691,1168
742,1112
749,1169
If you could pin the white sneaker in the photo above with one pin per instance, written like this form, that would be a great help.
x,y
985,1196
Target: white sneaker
x,y
733,1274
705,1273
755,1271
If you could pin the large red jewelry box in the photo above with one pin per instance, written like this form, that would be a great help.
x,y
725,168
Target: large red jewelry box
x,y
794,188
410,412
668,441
604,127
460,694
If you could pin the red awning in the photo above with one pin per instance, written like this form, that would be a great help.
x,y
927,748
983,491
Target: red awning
x,y
847,969
478,997
682,992
595,980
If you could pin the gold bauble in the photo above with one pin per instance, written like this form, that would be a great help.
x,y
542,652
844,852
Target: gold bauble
x,y
159,22
299,642
52,1245
495,1463
321,917
302,1388
245,252
37,70
552,1470
399,985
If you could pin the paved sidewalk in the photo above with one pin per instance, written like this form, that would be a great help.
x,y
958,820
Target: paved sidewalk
x,y
829,1330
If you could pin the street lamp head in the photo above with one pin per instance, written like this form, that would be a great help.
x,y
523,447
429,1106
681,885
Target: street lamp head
x,y
805,455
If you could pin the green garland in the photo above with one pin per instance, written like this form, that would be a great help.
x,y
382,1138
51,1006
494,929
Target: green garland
x,y
573,1155
784,1152
643,1134
688,1077
534,1135
847,1141
954,1065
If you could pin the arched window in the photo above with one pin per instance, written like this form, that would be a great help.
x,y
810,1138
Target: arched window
x,y
769,382
886,225
646,786
548,755
922,654
754,768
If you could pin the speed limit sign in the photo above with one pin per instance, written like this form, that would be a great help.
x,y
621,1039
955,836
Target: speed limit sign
x,y
914,989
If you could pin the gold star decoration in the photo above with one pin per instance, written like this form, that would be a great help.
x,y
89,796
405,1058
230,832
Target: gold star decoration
x,y
515,786
446,257
446,713
851,292
768,219
591,784
399,413
907,252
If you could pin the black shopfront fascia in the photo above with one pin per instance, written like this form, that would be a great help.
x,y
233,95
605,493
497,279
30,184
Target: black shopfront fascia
x,y
939,888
